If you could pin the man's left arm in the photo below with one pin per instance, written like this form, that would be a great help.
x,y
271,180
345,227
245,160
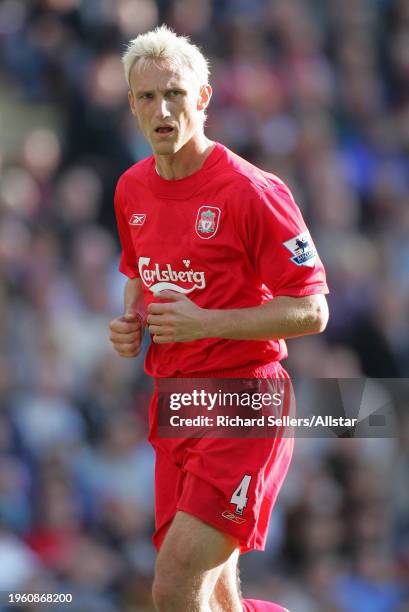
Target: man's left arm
x,y
179,319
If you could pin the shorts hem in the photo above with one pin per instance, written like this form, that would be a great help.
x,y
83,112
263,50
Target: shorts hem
x,y
244,545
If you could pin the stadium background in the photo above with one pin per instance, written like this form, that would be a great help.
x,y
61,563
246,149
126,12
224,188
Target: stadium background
x,y
317,92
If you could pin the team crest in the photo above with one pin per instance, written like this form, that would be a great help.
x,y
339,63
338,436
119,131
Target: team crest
x,y
207,221
303,250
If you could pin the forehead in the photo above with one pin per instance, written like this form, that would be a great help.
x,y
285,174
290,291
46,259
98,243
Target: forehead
x,y
161,76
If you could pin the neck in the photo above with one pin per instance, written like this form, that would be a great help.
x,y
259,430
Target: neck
x,y
188,160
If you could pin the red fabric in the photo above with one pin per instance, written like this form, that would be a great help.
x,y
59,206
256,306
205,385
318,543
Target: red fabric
x,y
200,475
241,261
256,605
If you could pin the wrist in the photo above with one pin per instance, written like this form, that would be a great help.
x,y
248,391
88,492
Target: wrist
x,y
211,323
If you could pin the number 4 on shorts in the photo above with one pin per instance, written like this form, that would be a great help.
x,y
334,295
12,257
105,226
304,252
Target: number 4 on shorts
x,y
239,497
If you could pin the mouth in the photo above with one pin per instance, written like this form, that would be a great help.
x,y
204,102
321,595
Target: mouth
x,y
164,130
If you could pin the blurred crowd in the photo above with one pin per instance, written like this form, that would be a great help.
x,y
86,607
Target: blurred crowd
x,y
316,92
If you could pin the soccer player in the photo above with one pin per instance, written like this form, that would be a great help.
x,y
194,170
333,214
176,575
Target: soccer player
x,y
222,269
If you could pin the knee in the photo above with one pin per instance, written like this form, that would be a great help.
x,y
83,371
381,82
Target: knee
x,y
168,587
162,593
169,596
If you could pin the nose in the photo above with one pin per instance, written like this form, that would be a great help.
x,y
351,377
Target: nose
x,y
162,110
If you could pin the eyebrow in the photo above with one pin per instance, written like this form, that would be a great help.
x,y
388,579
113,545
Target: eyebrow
x,y
140,92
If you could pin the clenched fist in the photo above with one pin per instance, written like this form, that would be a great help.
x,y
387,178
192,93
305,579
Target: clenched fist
x,y
176,320
126,334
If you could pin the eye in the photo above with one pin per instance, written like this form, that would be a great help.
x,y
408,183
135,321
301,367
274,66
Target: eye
x,y
174,92
146,96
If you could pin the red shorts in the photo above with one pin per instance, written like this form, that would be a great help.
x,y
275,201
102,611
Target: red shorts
x,y
229,483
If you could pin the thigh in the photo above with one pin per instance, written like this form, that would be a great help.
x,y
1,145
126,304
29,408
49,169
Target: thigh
x,y
169,479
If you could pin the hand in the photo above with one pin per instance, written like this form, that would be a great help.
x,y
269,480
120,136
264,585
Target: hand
x,y
126,334
177,320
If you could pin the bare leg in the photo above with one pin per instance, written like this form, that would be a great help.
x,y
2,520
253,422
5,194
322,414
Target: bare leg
x,y
190,562
226,596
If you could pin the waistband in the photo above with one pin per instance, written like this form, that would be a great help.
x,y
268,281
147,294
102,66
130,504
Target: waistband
x,y
274,369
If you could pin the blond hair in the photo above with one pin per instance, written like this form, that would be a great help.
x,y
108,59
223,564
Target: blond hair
x,y
164,44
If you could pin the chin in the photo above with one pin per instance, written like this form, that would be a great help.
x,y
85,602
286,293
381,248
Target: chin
x,y
165,148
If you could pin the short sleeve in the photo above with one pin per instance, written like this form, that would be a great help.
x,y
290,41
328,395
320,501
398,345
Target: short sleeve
x,y
128,260
284,253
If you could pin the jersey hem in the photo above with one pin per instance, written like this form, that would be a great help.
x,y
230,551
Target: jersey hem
x,y
267,370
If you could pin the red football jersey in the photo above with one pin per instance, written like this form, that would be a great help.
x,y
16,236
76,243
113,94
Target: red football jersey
x,y
227,236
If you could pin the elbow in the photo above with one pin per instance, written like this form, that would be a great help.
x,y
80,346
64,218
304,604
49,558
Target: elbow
x,y
321,323
320,315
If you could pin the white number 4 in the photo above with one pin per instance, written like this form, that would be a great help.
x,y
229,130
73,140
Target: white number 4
x,y
239,497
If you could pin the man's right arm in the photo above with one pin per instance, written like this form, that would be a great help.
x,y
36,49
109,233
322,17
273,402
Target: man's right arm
x,y
126,332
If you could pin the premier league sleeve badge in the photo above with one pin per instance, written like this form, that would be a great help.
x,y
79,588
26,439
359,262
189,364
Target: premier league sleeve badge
x,y
302,249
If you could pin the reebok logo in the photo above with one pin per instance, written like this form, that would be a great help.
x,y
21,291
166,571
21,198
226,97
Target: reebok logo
x,y
137,219
157,277
232,517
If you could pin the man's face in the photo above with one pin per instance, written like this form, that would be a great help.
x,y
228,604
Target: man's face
x,y
168,105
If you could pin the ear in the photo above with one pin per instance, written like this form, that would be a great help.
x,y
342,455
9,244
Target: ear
x,y
204,97
131,100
